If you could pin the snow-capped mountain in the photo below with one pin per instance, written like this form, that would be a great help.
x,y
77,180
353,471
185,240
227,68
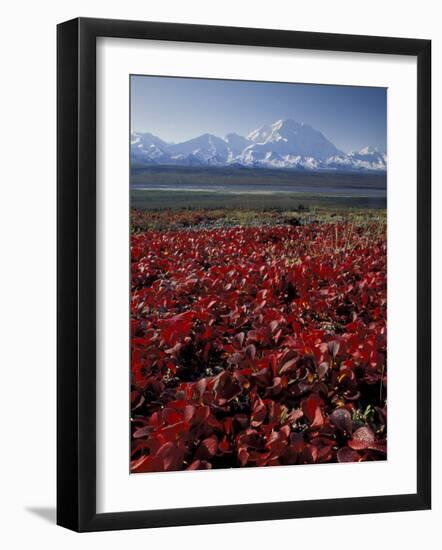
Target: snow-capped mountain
x,y
147,148
236,143
287,137
368,158
284,144
260,134
208,149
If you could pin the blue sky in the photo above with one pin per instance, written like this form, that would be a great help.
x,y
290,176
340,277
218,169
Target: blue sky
x,y
176,109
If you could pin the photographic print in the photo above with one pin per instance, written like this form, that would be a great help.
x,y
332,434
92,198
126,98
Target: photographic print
x,y
258,295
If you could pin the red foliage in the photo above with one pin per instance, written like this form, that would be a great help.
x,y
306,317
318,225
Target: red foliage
x,y
258,346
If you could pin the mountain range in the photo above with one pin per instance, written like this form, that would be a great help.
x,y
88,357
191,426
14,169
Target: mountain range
x,y
284,144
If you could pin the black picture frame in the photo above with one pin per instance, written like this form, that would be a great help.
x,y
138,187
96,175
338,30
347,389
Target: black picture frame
x,y
76,274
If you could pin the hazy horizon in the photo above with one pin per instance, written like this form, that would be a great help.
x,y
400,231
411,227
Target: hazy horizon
x,y
177,109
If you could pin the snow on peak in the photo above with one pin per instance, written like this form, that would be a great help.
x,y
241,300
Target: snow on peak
x,y
260,134
369,150
284,144
288,137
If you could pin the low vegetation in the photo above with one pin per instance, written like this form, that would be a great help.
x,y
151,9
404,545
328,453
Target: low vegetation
x,y
258,337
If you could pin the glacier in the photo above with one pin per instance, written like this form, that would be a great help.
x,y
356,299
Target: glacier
x,y
286,144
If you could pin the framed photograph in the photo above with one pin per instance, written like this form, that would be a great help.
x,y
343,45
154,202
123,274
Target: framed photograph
x,y
243,274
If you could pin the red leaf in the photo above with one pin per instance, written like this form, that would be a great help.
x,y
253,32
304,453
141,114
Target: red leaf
x,y
225,388
251,351
189,411
199,388
259,412
295,415
207,448
311,408
147,464
288,361
322,370
239,338
142,432
243,456
171,455
234,332
347,455
200,465
288,365
341,418
333,348
363,438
